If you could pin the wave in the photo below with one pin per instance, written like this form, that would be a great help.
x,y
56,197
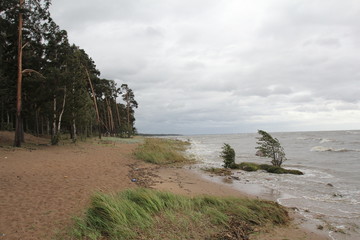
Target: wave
x,y
317,139
329,149
353,132
325,140
309,138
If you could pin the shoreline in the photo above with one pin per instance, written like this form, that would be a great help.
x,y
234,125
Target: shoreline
x,y
325,196
189,182
43,187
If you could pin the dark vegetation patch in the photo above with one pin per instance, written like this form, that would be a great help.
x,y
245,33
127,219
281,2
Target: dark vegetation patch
x,y
250,167
218,171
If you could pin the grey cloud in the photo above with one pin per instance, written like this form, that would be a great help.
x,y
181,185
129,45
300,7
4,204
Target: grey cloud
x,y
347,106
266,91
154,32
211,66
193,65
300,98
325,42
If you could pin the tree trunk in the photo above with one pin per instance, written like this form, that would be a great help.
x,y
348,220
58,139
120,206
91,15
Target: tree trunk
x,y
2,114
22,137
37,129
118,114
42,125
107,113
73,128
18,125
95,103
128,115
86,131
62,112
8,118
105,117
70,130
54,134
110,116
24,124
91,126
111,119
47,126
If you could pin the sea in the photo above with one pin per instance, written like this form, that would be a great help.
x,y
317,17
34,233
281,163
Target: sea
x,y
327,195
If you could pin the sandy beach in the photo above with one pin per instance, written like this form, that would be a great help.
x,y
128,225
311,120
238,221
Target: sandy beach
x,y
42,187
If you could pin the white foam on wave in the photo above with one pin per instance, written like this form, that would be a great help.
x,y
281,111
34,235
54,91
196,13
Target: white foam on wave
x,y
353,132
199,149
309,173
281,202
325,140
325,198
321,149
309,138
329,149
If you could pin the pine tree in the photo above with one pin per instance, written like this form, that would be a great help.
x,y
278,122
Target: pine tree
x,y
129,98
228,155
270,147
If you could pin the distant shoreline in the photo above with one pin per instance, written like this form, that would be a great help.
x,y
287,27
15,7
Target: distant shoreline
x,y
158,135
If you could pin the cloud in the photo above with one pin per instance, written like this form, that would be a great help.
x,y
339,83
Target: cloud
x,y
211,66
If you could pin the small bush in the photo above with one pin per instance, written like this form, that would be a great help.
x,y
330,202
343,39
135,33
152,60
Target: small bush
x,y
228,155
249,167
295,172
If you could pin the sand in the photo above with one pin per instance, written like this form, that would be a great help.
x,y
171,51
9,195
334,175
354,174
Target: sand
x,y
42,187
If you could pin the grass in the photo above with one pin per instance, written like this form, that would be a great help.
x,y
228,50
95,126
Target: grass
x,y
250,167
162,151
111,141
124,140
149,214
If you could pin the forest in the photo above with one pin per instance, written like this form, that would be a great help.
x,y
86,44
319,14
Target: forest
x,y
49,86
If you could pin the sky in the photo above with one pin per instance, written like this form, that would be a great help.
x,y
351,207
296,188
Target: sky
x,y
226,66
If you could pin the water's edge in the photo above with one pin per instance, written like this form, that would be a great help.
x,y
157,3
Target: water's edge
x,y
326,196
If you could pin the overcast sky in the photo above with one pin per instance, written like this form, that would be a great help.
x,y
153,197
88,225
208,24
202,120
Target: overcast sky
x,y
226,66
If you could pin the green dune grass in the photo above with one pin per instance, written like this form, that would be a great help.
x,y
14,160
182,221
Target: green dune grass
x,y
163,151
149,214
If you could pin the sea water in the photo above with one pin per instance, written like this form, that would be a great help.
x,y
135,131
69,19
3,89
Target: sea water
x,y
328,194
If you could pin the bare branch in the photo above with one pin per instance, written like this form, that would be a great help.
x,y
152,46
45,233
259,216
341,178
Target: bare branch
x,y
32,71
25,45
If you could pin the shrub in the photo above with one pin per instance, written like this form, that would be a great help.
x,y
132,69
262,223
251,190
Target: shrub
x,y
228,155
249,167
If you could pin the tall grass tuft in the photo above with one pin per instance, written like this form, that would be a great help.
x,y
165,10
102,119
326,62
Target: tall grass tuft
x,y
149,214
162,151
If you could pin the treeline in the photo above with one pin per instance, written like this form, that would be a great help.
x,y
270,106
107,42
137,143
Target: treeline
x,y
49,86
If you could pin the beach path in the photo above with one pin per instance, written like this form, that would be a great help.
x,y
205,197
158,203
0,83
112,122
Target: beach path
x,y
43,187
